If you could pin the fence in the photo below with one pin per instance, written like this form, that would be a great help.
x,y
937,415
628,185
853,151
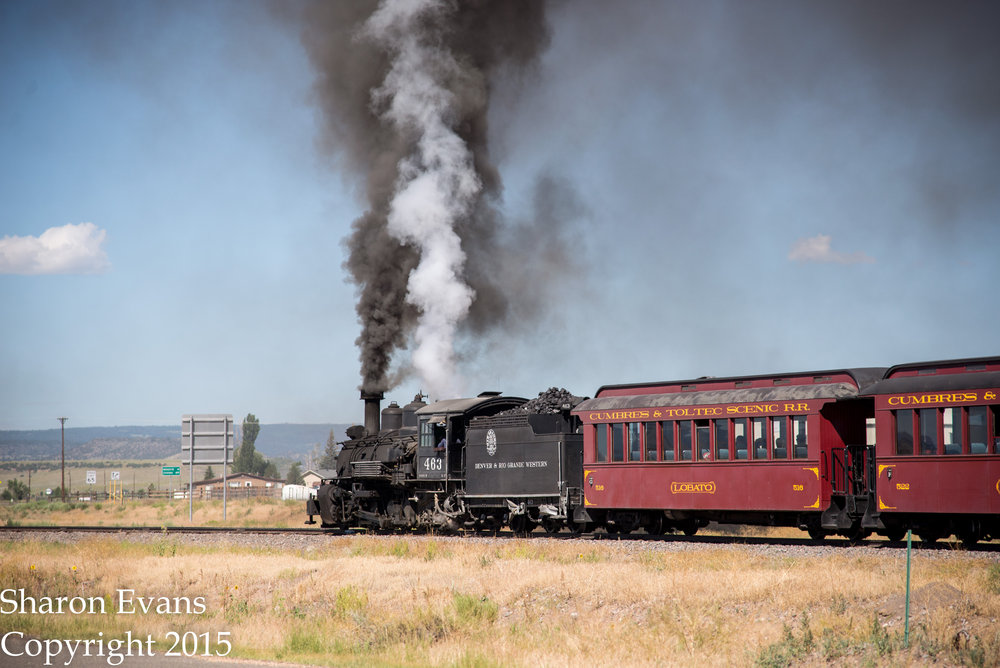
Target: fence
x,y
233,493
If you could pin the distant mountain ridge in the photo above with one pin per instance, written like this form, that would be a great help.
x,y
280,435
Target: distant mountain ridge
x,y
157,442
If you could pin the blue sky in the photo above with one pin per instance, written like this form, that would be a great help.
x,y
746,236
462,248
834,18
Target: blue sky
x,y
788,187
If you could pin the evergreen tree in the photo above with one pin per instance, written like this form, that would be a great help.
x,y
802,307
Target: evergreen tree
x,y
294,476
209,474
16,491
329,458
245,457
270,470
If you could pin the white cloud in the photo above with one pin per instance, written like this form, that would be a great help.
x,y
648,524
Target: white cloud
x,y
817,249
70,249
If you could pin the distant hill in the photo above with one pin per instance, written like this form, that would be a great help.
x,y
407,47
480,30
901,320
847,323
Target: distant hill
x,y
274,440
286,440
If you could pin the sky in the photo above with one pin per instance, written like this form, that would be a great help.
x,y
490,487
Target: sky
x,y
744,188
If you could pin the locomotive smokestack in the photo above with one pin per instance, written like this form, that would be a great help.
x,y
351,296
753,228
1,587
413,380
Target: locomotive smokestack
x,y
373,406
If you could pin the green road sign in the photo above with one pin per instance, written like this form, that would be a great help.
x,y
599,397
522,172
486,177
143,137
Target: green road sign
x,y
171,470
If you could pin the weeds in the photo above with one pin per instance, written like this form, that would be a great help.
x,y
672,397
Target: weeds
x,y
790,649
472,608
993,579
350,602
235,609
166,548
302,641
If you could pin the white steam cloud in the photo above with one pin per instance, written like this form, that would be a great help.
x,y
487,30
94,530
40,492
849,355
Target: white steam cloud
x,y
817,249
437,183
70,249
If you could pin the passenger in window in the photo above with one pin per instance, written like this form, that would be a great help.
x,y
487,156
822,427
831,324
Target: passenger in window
x,y
759,449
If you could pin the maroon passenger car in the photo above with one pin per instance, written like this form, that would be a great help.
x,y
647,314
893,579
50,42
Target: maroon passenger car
x,y
746,450
938,449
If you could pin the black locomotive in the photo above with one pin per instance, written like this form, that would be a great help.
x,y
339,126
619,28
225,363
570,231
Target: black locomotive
x,y
478,463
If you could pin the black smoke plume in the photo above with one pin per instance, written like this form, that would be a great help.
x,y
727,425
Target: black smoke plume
x,y
405,91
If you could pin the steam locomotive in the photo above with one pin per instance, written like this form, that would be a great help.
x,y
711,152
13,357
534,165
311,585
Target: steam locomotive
x,y
484,462
847,452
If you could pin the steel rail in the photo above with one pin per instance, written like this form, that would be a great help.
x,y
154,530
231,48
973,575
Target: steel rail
x,y
705,539
40,528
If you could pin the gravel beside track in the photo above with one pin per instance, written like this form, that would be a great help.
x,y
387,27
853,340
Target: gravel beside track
x,y
305,539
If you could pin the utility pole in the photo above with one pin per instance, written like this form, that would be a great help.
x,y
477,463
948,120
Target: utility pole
x,y
62,422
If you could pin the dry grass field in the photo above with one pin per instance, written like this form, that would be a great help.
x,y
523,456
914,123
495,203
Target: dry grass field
x,y
474,602
251,512
135,475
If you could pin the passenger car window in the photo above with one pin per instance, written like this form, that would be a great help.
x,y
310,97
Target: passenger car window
x,y
617,443
602,442
978,439
703,431
650,441
779,443
927,418
759,438
904,432
952,418
634,441
684,436
722,439
667,434
801,450
740,438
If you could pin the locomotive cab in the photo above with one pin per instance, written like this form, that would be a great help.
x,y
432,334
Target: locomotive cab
x,y
409,474
432,450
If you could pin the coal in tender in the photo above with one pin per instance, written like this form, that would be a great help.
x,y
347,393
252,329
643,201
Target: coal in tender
x,y
550,401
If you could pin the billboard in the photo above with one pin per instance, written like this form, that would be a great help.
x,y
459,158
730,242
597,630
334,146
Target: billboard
x,y
207,439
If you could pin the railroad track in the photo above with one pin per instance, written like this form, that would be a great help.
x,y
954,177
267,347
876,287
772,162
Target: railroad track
x,y
702,539
163,530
